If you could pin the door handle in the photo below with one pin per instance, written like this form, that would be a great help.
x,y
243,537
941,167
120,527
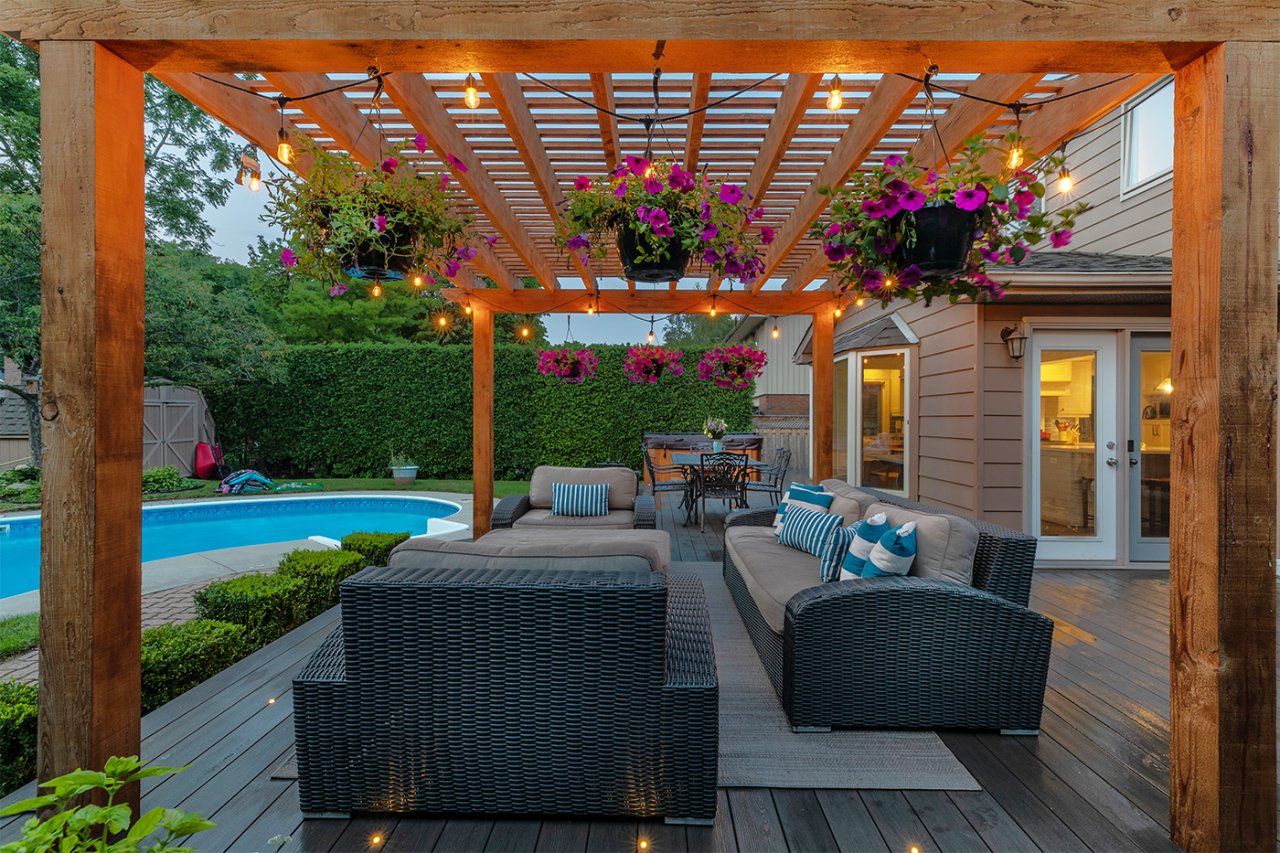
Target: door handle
x,y
1132,461
1113,462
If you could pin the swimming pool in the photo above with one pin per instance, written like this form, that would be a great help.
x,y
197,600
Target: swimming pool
x,y
177,529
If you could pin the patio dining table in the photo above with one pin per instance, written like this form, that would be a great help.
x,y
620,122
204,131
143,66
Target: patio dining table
x,y
690,463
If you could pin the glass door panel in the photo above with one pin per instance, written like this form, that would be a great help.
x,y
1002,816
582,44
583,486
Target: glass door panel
x,y
1148,445
882,421
840,435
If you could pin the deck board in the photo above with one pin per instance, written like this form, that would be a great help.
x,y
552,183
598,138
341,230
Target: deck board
x,y
1096,778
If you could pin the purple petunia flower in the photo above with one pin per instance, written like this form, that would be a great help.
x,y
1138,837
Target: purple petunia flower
x,y
766,235
389,165
1024,198
420,142
337,290
652,186
620,190
1060,238
709,233
444,179
664,230
971,199
710,256
577,243
894,161
380,223
288,258
642,213
466,253
912,199
582,182
885,245
456,163
658,217
910,276
705,213
492,240
835,252
451,267
897,186
681,180
636,165
833,229
730,193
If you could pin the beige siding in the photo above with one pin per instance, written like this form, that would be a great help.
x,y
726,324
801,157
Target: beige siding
x,y
13,451
782,375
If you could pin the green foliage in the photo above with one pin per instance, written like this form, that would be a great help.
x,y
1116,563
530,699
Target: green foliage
x,y
166,478
268,606
106,828
17,734
176,658
373,547
322,572
339,407
697,330
19,633
20,485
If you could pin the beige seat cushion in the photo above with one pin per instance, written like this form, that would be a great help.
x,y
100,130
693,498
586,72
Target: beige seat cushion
x,y
617,519
945,544
541,548
622,484
850,501
772,572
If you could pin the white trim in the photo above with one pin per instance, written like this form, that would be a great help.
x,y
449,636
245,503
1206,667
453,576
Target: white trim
x,y
912,337
855,415
1085,324
1129,190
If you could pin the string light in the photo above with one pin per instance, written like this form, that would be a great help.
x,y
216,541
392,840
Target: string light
x,y
271,701
524,331
591,308
417,281
776,332
255,181
839,312
376,290
860,301
1016,156
466,309
1065,182
443,321
644,845
377,839
713,305
472,96
835,100
284,151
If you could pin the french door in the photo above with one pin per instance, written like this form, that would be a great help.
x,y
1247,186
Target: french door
x,y
1147,447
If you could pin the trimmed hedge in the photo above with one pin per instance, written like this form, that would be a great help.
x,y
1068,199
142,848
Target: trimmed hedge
x,y
374,547
341,410
176,658
268,606
17,735
321,573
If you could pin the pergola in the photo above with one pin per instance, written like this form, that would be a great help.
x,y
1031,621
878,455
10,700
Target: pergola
x,y
523,147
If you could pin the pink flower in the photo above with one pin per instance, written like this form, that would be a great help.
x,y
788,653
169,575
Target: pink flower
x,y
766,235
380,223
664,230
577,243
420,142
456,163
897,186
709,233
389,165
730,193
835,252
681,180
1024,198
705,213
1060,238
466,253
620,190
288,258
971,199
582,182
710,256
833,229
492,240
652,186
893,161
451,267
337,290
912,200
636,165
642,213
444,179
658,217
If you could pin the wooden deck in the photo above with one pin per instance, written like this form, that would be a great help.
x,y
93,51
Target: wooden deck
x,y
1096,778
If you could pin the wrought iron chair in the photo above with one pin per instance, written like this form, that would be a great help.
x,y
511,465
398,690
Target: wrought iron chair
x,y
680,484
773,479
721,476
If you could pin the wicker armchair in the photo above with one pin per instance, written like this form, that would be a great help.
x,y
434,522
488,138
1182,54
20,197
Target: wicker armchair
x,y
627,508
509,691
908,652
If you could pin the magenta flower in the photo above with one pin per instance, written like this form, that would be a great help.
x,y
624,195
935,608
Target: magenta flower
x,y
636,165
705,213
730,193
681,180
492,240
835,252
420,142
711,257
894,161
337,290
1059,239
582,182
652,186
1024,198
664,230
766,235
389,165
971,199
658,217
288,258
912,199
910,276
897,187
577,243
642,213
444,179
621,190
466,253
885,246
456,163
709,233
451,267
380,223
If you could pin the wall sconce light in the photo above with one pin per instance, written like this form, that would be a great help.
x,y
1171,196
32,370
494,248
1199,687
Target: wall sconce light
x,y
1015,340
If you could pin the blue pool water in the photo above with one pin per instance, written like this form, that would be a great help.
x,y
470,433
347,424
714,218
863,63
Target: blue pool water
x,y
171,531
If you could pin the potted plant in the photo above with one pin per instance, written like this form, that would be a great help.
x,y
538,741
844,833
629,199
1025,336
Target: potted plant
x,y
714,429
343,221
732,367
570,366
897,231
403,469
661,217
647,364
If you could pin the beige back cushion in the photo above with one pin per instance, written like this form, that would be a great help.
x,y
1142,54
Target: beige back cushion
x,y
622,484
850,501
945,544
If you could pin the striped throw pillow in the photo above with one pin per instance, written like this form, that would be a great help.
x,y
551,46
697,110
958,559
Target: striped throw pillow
x,y
834,552
798,494
808,530
580,500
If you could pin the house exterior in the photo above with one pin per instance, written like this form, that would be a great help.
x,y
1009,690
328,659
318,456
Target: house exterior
x,y
1071,441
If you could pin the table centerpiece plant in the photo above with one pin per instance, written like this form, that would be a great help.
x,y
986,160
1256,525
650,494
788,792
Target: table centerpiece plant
x,y
647,364
734,367
662,216
571,366
714,429
343,221
898,231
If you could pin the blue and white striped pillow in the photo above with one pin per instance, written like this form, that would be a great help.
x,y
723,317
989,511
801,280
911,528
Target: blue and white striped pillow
x,y
808,530
580,500
834,552
798,494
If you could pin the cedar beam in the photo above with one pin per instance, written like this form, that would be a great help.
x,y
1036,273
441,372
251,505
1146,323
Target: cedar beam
x,y
824,387
611,301
698,96
93,265
602,96
481,418
967,117
1222,575
793,103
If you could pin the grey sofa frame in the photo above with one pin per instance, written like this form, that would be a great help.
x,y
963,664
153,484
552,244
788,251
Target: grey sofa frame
x,y
513,506
510,691
909,652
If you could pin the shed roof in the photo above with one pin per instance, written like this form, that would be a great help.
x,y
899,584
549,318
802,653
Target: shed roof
x,y
13,416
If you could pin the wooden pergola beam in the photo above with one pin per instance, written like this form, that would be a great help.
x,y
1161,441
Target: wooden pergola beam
x,y
770,303
419,104
968,116
602,96
793,103
882,109
698,96
505,92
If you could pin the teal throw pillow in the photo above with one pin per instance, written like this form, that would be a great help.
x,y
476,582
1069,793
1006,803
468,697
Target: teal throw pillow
x,y
807,530
893,554
810,497
866,533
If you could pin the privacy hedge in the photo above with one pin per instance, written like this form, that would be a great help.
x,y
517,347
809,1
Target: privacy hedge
x,y
268,606
176,658
322,572
341,410
373,548
17,735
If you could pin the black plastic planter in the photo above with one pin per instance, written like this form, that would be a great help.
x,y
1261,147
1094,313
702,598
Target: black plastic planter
x,y
670,268
944,239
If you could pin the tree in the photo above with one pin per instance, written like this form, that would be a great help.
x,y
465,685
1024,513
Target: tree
x,y
691,330
20,302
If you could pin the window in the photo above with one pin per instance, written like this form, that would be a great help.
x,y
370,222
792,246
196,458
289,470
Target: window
x,y
1148,138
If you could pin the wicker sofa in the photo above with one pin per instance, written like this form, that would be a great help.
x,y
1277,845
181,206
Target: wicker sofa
x,y
627,508
956,651
506,690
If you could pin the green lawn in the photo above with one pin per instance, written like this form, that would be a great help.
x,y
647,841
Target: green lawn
x,y
19,633
209,488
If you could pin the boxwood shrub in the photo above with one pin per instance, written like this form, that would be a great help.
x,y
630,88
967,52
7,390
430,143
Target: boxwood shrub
x,y
374,547
176,658
268,606
17,735
321,573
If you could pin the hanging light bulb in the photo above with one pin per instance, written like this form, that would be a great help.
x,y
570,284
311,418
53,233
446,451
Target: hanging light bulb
x,y
284,151
713,306
835,99
776,332
466,309
443,321
839,312
417,281
591,308
472,96
255,181
860,301
376,290
1066,183
524,331
651,335
1016,155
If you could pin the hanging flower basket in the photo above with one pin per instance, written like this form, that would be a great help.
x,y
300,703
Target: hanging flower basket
x,y
733,367
647,364
570,366
661,218
899,232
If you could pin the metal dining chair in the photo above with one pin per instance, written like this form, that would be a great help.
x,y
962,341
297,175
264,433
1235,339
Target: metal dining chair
x,y
677,478
773,479
721,476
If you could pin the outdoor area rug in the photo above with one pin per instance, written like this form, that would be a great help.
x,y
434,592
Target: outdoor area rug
x,y
758,748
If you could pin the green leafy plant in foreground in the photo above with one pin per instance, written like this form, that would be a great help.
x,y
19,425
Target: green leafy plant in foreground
x,y
106,828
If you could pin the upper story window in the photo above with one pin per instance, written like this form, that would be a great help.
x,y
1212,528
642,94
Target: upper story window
x,y
1148,138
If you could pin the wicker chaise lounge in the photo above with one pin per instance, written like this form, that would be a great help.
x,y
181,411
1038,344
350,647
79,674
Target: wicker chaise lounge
x,y
905,652
508,691
627,508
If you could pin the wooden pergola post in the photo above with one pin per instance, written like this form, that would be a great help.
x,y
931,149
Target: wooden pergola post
x,y
481,418
822,428
92,302
1223,545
